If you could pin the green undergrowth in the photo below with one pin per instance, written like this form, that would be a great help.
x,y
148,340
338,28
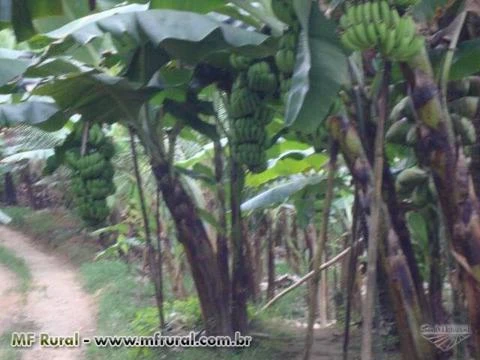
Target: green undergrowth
x,y
17,266
57,230
7,352
125,299
120,297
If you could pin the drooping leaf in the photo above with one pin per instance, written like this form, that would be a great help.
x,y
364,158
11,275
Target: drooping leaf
x,y
187,36
39,154
4,218
418,227
23,12
280,193
87,23
13,63
209,218
5,13
54,67
97,97
289,163
206,153
188,113
203,6
108,4
426,9
44,114
320,70
465,62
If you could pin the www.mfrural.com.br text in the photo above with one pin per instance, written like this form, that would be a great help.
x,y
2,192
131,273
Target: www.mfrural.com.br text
x,y
46,340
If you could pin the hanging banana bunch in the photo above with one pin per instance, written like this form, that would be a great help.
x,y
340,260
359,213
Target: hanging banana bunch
x,y
376,24
404,131
249,112
417,186
283,10
92,175
287,49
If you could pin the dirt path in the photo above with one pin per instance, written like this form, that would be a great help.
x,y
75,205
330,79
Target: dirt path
x,y
56,303
9,298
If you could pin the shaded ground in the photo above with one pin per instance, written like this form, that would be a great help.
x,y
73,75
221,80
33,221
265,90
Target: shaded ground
x,y
55,304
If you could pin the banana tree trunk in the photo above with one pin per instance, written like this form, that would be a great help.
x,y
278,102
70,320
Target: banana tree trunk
x,y
200,254
240,276
270,265
453,181
222,240
10,192
475,164
405,300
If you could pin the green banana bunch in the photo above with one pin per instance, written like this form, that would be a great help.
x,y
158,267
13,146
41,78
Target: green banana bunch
x,y
243,102
264,115
409,179
285,58
91,174
284,11
249,112
464,128
397,132
247,130
96,136
239,62
261,78
375,24
253,155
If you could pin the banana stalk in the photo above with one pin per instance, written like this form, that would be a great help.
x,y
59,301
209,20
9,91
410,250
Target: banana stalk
x,y
453,181
403,294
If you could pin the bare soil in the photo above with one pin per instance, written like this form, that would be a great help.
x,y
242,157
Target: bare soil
x,y
10,299
55,304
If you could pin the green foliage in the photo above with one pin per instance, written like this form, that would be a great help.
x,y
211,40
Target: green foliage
x,y
283,308
279,193
204,6
321,68
122,98
146,321
289,163
43,114
464,62
420,238
12,64
40,224
186,310
17,266
19,214
104,272
7,352
261,351
121,298
25,11
186,36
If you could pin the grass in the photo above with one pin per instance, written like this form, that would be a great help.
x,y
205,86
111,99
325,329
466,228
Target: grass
x,y
120,297
17,266
57,230
283,309
125,301
6,351
19,214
